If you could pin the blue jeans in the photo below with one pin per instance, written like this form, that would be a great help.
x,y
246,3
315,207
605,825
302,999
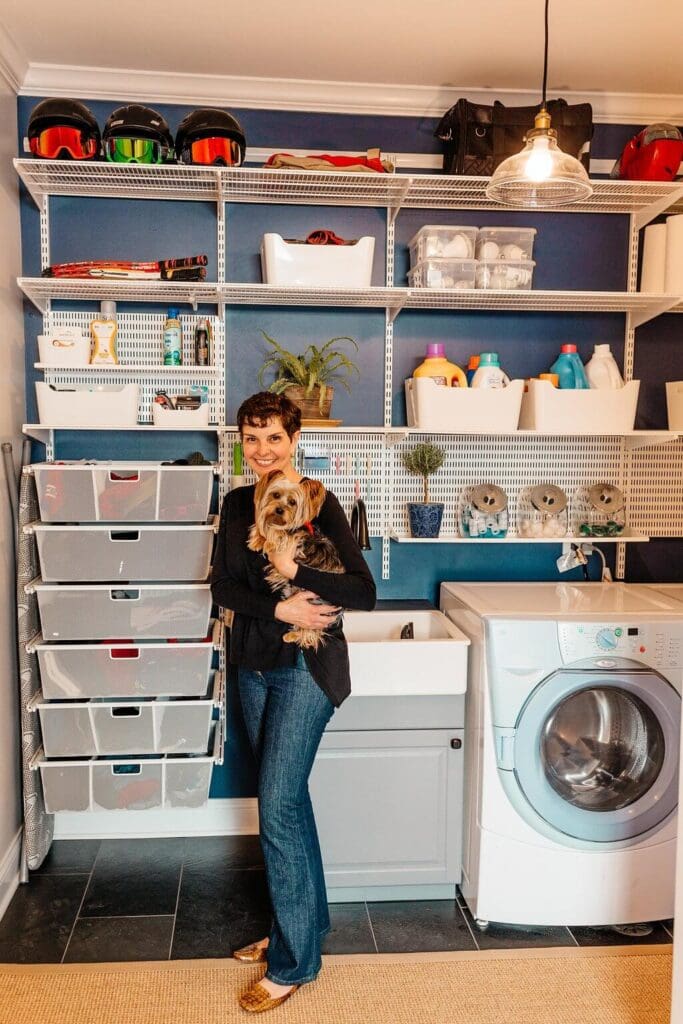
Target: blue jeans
x,y
286,713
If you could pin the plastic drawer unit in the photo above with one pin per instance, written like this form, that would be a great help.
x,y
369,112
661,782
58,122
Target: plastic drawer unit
x,y
159,726
144,612
154,668
99,553
117,492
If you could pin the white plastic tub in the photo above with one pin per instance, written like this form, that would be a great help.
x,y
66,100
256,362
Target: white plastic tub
x,y
504,275
180,419
323,266
67,349
505,243
137,492
431,406
674,404
442,273
97,553
444,241
578,411
87,405
142,611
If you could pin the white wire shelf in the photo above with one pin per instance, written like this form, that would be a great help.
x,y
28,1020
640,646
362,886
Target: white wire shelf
x,y
44,432
185,369
41,290
275,295
627,537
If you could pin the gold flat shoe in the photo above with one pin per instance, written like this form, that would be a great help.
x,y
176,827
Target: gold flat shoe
x,y
252,954
257,999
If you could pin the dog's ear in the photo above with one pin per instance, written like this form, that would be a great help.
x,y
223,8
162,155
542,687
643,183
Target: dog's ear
x,y
264,483
315,496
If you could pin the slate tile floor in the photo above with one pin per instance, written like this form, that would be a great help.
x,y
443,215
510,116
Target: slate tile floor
x,y
159,899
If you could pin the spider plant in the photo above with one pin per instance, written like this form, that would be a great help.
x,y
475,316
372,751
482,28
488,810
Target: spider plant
x,y
317,367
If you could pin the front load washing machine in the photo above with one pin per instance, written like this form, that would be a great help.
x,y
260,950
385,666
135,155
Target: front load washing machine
x,y
571,751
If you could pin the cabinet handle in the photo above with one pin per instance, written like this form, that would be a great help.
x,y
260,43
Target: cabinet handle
x,y
456,743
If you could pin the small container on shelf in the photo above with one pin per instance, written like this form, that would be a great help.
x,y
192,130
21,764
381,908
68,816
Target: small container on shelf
x,y
444,241
66,346
543,511
504,275
578,411
317,266
505,243
484,512
442,273
431,406
598,510
179,419
87,405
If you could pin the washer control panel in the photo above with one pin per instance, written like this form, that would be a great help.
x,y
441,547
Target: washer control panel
x,y
657,644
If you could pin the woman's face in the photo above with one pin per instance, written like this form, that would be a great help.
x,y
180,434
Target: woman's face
x,y
270,447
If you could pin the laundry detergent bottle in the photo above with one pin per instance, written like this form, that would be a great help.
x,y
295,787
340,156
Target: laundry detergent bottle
x,y
602,370
489,373
437,367
569,369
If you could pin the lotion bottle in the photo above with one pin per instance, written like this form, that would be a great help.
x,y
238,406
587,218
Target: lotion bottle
x,y
103,330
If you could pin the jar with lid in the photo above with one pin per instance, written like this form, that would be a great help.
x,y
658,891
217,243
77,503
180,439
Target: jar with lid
x,y
484,512
599,511
543,512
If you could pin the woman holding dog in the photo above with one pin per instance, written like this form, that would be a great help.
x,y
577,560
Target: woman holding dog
x,y
288,693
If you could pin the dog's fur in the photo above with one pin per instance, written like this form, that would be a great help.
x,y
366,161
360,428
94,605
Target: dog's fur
x,y
283,508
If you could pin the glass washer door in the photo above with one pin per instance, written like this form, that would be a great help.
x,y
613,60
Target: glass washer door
x,y
596,753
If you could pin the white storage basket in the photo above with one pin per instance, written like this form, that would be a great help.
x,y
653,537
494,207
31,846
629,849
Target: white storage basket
x,y
674,404
579,411
180,419
137,492
432,406
71,349
96,553
317,266
142,612
87,405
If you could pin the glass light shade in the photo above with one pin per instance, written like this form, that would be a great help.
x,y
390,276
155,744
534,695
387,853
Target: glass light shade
x,y
541,175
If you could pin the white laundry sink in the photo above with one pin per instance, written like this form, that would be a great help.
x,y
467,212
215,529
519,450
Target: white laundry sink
x,y
384,665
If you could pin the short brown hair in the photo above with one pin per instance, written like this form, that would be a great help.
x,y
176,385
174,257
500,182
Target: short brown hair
x,y
256,410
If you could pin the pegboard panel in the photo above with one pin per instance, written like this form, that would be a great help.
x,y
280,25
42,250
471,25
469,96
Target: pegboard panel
x,y
139,347
510,461
656,489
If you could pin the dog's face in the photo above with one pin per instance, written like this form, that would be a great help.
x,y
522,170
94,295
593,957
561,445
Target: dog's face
x,y
283,505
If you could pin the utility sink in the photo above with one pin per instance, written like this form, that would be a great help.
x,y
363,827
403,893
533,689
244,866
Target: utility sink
x,y
384,665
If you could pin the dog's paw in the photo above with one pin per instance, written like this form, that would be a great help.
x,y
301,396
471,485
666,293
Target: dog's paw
x,y
256,541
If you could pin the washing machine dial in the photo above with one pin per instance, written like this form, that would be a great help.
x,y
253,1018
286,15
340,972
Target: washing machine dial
x,y
606,640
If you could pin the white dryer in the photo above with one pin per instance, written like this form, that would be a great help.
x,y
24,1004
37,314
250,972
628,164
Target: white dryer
x,y
571,751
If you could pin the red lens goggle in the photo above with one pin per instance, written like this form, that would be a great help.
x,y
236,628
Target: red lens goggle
x,y
216,150
51,142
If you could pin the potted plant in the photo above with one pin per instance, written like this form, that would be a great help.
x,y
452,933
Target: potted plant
x,y
307,379
425,516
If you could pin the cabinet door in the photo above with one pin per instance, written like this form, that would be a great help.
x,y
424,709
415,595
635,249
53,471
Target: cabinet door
x,y
388,805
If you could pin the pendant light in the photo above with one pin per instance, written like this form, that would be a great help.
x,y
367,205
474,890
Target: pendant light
x,y
541,175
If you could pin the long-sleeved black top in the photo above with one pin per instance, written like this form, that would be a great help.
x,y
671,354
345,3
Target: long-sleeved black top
x,y
238,583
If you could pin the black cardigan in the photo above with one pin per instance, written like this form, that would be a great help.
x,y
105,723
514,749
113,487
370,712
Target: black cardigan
x,y
238,583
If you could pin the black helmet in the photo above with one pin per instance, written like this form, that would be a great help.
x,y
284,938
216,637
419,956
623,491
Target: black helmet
x,y
135,121
210,123
60,112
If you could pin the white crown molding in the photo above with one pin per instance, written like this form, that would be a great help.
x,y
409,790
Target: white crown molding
x,y
333,97
13,64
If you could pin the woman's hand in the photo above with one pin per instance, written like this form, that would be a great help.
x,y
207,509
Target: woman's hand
x,y
298,611
285,565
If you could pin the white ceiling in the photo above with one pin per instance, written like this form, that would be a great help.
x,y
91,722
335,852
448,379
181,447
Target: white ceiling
x,y
427,49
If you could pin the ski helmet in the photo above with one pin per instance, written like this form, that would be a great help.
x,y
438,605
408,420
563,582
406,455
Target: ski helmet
x,y
137,134
60,128
196,134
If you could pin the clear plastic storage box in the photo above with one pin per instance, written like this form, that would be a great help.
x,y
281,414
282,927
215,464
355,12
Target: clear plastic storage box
x,y
97,553
431,406
442,241
505,244
137,492
505,275
154,611
442,273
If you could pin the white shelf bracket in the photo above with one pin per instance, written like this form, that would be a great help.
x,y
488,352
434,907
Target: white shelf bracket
x,y
393,211
636,319
646,214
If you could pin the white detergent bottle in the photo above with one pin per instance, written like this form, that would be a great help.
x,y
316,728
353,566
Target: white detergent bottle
x,y
489,373
602,370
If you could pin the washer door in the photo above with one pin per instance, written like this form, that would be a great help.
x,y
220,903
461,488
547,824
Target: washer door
x,y
596,754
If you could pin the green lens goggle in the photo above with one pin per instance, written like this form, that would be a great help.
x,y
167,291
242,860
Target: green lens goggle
x,y
135,151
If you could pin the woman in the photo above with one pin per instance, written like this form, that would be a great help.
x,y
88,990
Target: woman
x,y
288,694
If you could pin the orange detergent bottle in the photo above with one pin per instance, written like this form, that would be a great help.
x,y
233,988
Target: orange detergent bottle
x,y
437,367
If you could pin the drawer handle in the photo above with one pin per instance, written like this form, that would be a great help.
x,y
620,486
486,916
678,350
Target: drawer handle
x,y
124,595
123,477
126,712
124,535
126,769
124,652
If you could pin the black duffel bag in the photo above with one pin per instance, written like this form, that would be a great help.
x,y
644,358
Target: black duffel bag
x,y
477,137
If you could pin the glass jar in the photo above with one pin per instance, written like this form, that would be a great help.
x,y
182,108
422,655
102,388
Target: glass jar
x,y
484,512
543,512
598,511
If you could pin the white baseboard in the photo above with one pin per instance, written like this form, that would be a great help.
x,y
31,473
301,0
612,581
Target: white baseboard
x,y
10,872
220,817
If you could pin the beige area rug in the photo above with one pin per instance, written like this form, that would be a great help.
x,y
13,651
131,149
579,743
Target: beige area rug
x,y
624,985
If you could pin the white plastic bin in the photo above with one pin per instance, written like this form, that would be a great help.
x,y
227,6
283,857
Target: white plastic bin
x,y
442,273
579,411
180,419
505,243
317,266
141,612
87,405
98,553
674,404
159,726
154,668
442,240
505,275
136,492
431,406
70,348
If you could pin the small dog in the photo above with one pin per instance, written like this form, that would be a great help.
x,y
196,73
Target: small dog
x,y
284,514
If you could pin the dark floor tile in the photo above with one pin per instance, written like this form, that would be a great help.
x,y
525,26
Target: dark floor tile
x,y
110,939
609,937
219,912
223,853
134,877
506,936
70,856
350,930
419,926
37,924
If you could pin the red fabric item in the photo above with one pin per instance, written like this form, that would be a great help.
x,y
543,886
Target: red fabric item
x,y
374,163
323,236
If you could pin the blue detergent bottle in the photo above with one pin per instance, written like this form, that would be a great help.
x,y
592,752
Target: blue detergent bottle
x,y
569,368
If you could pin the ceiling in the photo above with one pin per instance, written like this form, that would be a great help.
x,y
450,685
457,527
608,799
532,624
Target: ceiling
x,y
610,51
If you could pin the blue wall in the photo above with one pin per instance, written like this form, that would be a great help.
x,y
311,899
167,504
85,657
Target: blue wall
x,y
572,251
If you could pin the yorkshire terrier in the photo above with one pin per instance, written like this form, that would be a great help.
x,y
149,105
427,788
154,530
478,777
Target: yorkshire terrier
x,y
284,525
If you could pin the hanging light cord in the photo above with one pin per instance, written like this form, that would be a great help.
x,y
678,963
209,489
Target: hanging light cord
x,y
545,55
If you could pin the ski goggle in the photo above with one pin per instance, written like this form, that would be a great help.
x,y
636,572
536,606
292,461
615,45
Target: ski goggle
x,y
214,150
134,151
60,138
